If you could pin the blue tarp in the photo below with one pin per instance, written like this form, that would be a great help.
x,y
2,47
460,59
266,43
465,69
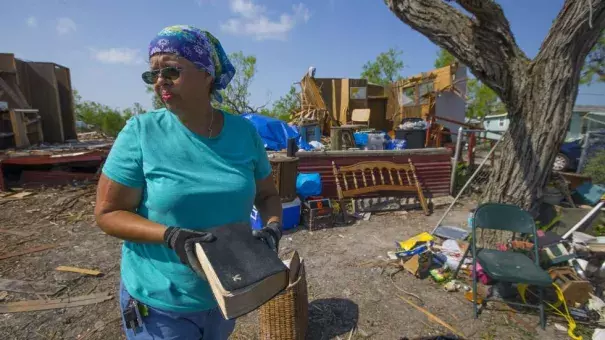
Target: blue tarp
x,y
274,132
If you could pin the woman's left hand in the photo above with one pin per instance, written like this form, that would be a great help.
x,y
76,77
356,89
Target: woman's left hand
x,y
270,234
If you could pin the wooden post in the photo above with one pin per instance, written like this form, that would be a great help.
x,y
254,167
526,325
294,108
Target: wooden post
x,y
334,105
471,147
492,157
19,129
335,138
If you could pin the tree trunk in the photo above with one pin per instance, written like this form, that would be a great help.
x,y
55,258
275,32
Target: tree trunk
x,y
539,94
535,134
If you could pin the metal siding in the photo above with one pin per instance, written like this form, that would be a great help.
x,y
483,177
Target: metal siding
x,y
433,170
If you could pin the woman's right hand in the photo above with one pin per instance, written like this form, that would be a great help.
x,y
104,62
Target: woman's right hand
x,y
183,241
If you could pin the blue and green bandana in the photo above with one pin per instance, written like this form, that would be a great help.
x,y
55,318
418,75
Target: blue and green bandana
x,y
199,47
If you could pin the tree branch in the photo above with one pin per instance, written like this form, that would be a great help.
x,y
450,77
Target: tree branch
x,y
571,38
485,43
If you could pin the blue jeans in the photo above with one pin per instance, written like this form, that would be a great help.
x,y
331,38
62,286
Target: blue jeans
x,y
160,324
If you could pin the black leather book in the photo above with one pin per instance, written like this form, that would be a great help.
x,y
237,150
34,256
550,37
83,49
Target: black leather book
x,y
242,271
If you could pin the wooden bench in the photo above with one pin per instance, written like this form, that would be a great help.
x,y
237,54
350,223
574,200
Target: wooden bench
x,y
377,176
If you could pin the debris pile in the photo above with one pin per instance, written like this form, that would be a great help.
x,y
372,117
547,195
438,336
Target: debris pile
x,y
555,263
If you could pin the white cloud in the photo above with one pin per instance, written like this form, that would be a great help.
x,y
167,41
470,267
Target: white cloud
x,y
32,22
65,26
252,20
128,56
246,8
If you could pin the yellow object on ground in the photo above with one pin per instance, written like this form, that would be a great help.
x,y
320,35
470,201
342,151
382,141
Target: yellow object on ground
x,y
412,241
522,288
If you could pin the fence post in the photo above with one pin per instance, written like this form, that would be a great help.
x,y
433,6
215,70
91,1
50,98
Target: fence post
x,y
455,160
468,182
584,153
471,148
493,158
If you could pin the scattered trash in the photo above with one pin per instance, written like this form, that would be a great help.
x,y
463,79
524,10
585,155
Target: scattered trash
x,y
599,334
317,146
412,241
469,296
451,232
451,249
451,286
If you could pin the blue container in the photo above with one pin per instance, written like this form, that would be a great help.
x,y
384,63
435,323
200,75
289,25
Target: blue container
x,y
308,184
310,132
590,193
290,216
361,139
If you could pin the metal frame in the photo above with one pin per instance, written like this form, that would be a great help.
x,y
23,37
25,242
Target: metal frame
x,y
473,248
458,152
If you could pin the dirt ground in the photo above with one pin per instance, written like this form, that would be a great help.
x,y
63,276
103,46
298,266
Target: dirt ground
x,y
353,292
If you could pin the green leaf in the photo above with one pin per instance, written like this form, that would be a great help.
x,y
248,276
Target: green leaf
x,y
594,67
444,58
385,69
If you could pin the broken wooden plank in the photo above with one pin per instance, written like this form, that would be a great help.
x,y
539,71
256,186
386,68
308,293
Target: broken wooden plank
x,y
79,270
16,96
29,287
19,129
14,197
31,250
15,232
38,305
20,195
432,317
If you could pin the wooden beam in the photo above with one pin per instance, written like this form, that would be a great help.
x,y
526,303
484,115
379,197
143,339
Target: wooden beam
x,y
344,101
334,114
37,305
19,129
16,96
45,96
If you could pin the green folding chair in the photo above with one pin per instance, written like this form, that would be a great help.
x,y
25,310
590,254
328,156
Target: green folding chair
x,y
507,266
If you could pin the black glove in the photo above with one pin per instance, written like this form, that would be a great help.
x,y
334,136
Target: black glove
x,y
270,234
183,241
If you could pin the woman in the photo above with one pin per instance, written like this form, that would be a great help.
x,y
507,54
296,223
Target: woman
x,y
173,173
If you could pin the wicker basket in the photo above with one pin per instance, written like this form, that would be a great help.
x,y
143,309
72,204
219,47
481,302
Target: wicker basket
x,y
286,316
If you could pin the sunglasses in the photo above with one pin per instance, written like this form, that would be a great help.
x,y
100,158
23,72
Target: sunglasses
x,y
172,73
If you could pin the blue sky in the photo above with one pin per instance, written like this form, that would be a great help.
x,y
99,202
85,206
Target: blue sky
x,y
104,42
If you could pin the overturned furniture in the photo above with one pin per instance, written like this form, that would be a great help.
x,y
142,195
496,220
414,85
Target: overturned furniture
x,y
20,128
284,171
376,177
40,89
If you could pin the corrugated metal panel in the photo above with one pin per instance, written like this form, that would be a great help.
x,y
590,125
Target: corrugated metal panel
x,y
433,166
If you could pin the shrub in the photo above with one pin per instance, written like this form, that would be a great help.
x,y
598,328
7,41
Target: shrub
x,y
595,168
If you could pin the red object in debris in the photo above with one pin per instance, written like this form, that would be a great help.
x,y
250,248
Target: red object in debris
x,y
91,158
29,177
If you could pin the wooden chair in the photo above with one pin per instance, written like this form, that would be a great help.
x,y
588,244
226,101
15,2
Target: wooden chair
x,y
374,177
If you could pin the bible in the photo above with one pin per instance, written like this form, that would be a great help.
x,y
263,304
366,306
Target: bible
x,y
243,272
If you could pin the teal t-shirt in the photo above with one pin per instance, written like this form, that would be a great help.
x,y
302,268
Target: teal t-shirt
x,y
188,181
